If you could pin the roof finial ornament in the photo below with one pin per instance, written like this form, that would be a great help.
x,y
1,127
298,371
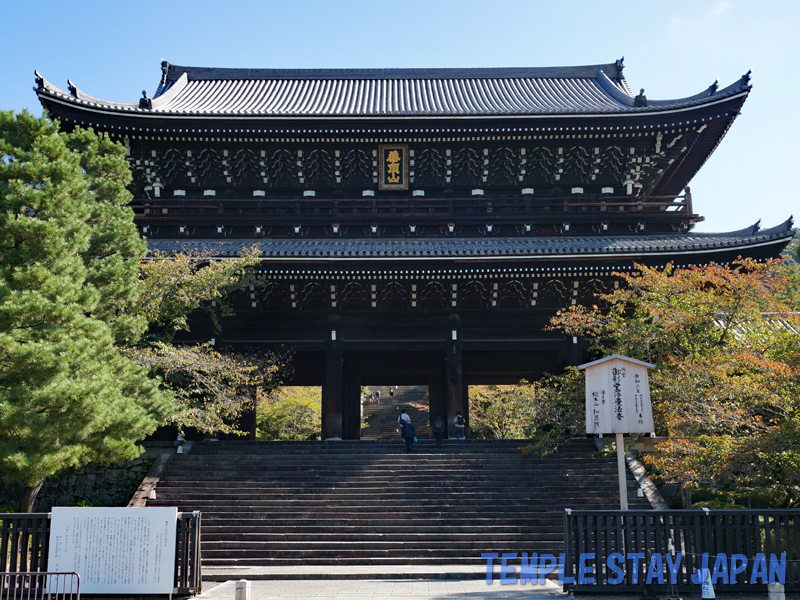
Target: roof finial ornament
x,y
620,65
746,78
712,89
145,102
39,79
640,100
755,227
73,89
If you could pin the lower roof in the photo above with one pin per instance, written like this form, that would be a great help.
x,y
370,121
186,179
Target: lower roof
x,y
677,245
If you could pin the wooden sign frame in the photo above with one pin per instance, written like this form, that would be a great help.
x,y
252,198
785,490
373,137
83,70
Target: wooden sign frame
x,y
393,174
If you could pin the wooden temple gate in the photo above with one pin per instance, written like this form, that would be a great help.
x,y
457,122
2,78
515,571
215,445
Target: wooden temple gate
x,y
418,225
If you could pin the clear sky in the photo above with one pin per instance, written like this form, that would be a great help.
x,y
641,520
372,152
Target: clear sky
x,y
112,50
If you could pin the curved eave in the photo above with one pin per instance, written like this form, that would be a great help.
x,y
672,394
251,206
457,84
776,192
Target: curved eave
x,y
691,249
697,154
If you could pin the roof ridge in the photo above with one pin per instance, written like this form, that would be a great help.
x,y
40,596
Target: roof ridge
x,y
213,73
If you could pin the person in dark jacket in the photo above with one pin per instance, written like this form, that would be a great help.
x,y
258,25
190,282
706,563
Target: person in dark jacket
x,y
408,434
460,422
438,431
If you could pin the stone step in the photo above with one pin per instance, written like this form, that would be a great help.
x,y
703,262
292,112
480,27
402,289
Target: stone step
x,y
286,539
395,518
506,497
364,533
399,467
367,555
513,457
273,493
396,446
232,563
386,504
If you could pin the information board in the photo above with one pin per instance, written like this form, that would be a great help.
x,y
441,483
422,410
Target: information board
x,y
115,550
618,396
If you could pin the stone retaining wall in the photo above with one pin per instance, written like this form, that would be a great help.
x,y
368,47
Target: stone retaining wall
x,y
93,484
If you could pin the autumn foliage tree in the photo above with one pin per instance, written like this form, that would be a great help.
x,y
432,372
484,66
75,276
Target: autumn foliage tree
x,y
727,385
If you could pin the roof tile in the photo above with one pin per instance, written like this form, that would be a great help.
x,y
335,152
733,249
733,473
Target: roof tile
x,y
455,247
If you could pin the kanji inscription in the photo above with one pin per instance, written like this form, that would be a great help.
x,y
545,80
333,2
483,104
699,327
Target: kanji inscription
x,y
393,162
116,550
617,396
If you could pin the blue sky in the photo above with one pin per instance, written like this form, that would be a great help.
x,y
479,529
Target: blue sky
x,y
112,50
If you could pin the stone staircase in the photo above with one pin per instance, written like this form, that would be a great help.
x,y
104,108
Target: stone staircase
x,y
381,417
284,504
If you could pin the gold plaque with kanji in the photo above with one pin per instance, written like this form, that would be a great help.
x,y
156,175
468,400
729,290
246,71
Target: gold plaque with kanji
x,y
393,166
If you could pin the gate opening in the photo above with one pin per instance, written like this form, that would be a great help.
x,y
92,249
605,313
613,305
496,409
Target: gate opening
x,y
381,406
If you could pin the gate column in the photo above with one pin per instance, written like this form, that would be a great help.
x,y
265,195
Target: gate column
x,y
351,403
454,374
574,351
332,391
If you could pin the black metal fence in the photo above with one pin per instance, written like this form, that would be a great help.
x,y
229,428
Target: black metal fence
x,y
24,539
751,542
40,586
188,575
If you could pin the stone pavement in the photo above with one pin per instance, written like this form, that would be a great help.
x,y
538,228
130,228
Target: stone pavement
x,y
374,589
418,589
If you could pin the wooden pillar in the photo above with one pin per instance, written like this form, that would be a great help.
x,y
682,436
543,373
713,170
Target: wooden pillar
x,y
454,373
437,396
333,387
351,404
247,422
574,351
465,403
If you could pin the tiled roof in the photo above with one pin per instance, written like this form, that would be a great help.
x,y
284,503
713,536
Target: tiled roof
x,y
460,248
195,91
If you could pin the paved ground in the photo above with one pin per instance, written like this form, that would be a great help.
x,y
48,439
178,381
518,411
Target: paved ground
x,y
368,589
419,589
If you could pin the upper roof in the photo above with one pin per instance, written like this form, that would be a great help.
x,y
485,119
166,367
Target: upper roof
x,y
357,93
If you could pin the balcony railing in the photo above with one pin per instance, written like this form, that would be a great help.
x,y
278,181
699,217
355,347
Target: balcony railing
x,y
389,209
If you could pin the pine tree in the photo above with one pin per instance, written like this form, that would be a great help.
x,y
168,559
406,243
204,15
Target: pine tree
x,y
68,284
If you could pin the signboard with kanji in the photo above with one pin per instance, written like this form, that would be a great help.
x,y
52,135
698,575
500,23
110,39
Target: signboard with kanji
x,y
393,166
115,550
618,396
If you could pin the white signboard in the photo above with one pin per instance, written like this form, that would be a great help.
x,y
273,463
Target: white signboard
x,y
115,550
618,396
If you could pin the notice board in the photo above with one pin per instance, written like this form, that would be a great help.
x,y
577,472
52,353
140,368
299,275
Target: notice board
x,y
115,550
618,396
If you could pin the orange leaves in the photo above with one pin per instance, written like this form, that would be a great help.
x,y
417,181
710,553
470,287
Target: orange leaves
x,y
727,346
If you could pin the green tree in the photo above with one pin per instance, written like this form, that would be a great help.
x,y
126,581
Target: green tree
x,y
501,411
177,285
213,388
547,412
727,386
290,414
68,287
